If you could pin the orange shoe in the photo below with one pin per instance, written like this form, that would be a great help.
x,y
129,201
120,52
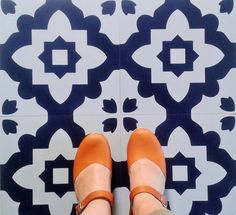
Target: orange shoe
x,y
143,144
94,149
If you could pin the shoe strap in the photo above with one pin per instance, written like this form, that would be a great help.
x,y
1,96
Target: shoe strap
x,y
150,190
100,194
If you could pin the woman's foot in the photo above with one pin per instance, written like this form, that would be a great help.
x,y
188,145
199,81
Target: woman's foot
x,y
92,173
146,168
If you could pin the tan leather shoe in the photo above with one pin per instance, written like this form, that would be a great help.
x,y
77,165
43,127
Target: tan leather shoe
x,y
93,149
143,144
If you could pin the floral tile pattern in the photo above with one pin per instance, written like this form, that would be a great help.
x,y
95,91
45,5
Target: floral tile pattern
x,y
70,67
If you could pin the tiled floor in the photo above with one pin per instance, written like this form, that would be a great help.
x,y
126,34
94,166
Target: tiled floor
x,y
70,67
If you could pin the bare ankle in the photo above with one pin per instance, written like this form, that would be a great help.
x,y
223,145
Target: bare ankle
x,y
145,203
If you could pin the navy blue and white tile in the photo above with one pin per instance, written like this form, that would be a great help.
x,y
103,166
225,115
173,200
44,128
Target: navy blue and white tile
x,y
118,18
11,11
71,67
18,117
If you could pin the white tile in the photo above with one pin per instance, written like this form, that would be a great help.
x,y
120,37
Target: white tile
x,y
19,126
177,56
214,123
225,22
60,176
59,57
180,173
109,24
7,205
9,23
10,99
228,202
128,23
122,205
145,106
110,91
215,105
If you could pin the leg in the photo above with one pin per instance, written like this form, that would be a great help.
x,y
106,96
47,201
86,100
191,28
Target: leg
x,y
161,212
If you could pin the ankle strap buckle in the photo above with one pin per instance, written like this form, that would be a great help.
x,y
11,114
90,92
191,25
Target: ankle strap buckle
x,y
163,201
79,209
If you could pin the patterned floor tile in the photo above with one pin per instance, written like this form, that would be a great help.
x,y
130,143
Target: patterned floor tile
x,y
69,68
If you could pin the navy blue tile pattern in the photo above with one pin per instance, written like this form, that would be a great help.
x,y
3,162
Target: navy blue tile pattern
x,y
68,68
